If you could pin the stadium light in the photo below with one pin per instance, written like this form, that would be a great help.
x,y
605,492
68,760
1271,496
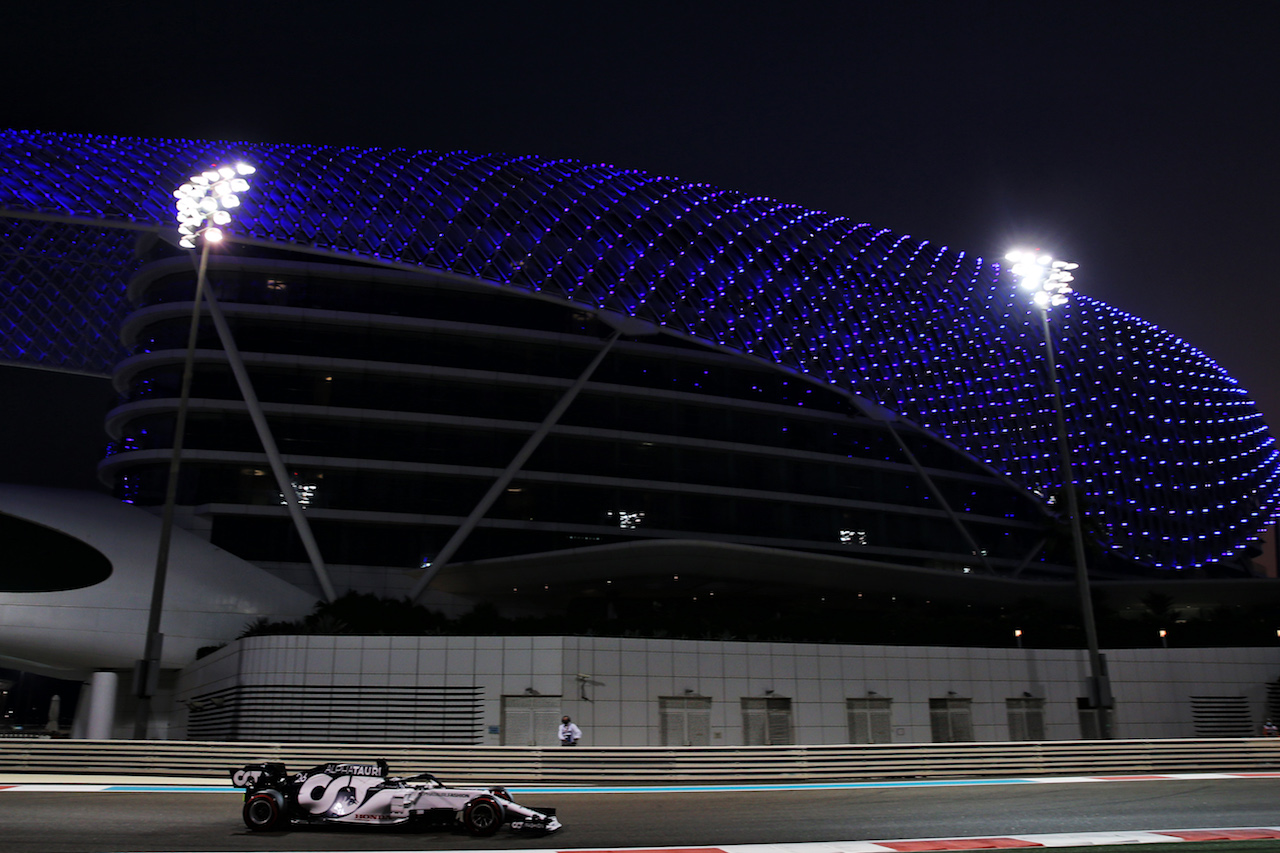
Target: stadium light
x,y
1048,281
205,202
203,206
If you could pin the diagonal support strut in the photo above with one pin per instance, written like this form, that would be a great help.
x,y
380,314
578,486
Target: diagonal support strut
x,y
531,444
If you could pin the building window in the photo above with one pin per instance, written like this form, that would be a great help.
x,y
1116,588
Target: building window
x,y
951,720
1026,718
530,720
684,720
1090,720
626,519
869,720
766,721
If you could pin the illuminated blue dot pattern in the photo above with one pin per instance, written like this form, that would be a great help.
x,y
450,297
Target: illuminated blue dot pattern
x,y
62,294
1176,468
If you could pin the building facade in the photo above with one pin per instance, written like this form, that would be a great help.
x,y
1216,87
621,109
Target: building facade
x,y
534,382
396,401
653,692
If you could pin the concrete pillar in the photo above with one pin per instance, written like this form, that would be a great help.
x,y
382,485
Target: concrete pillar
x,y
102,705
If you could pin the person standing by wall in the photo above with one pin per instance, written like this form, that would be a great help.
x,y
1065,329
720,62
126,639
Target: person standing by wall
x,y
569,733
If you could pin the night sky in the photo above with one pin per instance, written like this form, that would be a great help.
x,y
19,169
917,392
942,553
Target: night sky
x,y
1138,139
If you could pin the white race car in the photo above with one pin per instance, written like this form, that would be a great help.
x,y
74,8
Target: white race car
x,y
368,794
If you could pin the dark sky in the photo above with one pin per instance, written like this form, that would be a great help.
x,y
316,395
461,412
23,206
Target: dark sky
x,y
1136,138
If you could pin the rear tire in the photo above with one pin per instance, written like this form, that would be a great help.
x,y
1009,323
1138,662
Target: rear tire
x,y
483,816
261,812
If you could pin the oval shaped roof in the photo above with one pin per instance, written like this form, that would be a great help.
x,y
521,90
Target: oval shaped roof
x,y
1175,466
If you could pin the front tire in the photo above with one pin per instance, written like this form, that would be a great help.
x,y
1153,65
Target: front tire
x,y
262,812
483,816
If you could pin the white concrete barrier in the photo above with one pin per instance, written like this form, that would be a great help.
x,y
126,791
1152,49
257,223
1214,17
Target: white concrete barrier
x,y
656,765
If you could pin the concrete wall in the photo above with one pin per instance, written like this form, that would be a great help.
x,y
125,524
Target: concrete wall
x,y
210,594
625,677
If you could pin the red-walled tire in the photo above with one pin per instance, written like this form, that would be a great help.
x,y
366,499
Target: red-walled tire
x,y
483,816
262,812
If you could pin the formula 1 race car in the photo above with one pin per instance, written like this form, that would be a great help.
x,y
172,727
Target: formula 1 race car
x,y
367,794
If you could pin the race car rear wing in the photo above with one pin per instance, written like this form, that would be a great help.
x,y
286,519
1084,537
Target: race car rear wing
x,y
258,775
270,773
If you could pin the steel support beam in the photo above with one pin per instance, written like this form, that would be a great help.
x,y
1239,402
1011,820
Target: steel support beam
x,y
464,530
274,460
937,494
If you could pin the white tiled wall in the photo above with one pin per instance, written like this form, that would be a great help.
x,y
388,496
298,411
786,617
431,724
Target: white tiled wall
x,y
616,701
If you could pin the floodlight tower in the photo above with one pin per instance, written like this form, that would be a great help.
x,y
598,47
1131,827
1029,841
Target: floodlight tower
x,y
1049,283
203,206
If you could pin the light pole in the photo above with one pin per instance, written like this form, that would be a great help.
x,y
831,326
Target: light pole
x,y
1048,282
203,205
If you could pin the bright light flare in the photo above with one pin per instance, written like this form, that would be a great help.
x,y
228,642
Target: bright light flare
x,y
204,200
1048,280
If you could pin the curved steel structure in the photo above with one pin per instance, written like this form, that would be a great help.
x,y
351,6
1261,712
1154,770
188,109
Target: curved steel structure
x,y
1176,468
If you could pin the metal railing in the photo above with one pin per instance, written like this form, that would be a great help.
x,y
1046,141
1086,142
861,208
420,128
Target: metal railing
x,y
620,766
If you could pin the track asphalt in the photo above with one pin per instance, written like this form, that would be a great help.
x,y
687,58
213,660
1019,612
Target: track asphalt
x,y
20,783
